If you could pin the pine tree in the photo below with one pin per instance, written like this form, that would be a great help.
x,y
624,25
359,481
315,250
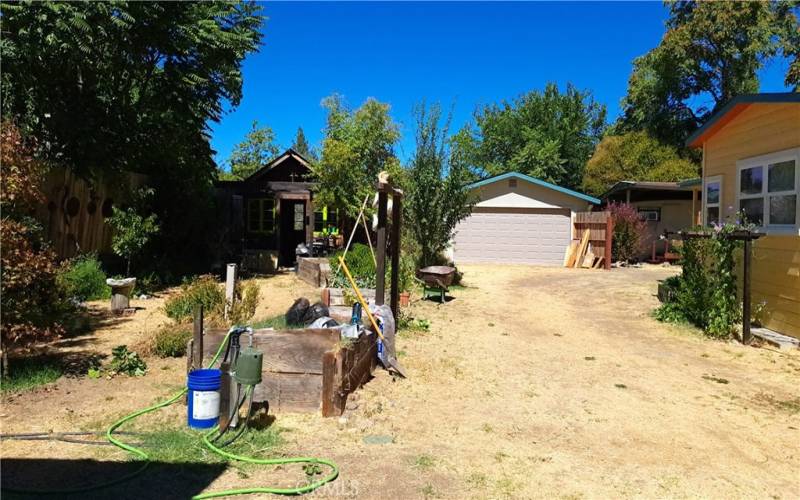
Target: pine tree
x,y
302,146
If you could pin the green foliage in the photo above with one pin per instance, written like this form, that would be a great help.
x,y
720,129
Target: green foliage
x,y
706,293
710,50
256,150
277,322
357,146
634,156
170,342
302,146
436,184
33,304
203,290
548,135
409,324
31,372
629,232
83,279
359,262
132,231
182,446
244,307
116,86
127,362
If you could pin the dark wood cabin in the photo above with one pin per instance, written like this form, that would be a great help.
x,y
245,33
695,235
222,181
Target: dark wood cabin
x,y
269,213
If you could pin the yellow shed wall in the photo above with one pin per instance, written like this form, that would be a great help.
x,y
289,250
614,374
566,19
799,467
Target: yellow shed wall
x,y
758,130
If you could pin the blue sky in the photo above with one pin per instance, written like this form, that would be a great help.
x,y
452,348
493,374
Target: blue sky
x,y
464,53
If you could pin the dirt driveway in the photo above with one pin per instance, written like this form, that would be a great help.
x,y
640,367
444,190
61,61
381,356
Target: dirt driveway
x,y
531,383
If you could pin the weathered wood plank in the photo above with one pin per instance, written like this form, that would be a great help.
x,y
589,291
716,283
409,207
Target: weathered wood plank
x,y
290,391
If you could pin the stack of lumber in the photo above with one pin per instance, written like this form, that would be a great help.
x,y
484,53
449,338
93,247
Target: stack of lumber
x,y
579,254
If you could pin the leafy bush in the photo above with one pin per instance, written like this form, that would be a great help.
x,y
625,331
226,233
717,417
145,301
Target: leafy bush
x,y
84,279
34,305
244,307
359,262
127,362
170,342
628,231
132,231
203,290
706,292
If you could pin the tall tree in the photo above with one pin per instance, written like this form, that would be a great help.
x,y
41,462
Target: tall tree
x,y
711,52
109,86
436,182
358,145
548,135
256,150
634,156
302,146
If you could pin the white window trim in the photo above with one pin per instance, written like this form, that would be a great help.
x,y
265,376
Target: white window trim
x,y
718,204
764,161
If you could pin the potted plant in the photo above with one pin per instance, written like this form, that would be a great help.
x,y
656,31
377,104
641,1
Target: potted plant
x,y
132,231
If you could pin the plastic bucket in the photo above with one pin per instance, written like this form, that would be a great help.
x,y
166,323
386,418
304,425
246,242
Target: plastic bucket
x,y
203,387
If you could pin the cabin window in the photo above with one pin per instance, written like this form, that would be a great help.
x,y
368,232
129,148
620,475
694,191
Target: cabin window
x,y
768,189
713,194
650,214
261,215
325,221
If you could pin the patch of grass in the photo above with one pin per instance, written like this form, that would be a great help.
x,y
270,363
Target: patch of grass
x,y
477,480
790,406
428,491
424,461
508,486
487,428
25,374
277,322
183,445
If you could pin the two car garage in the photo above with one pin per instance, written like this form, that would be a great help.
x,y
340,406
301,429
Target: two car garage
x,y
518,219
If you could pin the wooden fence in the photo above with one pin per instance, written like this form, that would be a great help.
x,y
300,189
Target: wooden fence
x,y
601,230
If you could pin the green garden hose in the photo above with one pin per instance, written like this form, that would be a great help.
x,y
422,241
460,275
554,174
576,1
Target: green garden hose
x,y
216,494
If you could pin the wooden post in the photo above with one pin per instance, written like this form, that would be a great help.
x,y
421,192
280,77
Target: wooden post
x,y
197,339
397,211
746,337
609,237
231,277
380,268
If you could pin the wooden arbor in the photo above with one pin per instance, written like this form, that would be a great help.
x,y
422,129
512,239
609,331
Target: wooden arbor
x,y
385,190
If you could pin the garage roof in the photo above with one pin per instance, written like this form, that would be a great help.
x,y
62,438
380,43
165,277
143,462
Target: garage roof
x,y
538,182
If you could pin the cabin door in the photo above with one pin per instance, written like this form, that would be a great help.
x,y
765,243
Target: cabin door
x,y
293,229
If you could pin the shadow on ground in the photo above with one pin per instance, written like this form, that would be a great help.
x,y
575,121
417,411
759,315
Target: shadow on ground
x,y
158,480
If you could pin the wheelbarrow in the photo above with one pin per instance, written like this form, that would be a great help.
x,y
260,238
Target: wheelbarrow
x,y
436,279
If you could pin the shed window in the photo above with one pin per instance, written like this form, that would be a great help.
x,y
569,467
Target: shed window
x,y
768,189
325,221
650,214
261,215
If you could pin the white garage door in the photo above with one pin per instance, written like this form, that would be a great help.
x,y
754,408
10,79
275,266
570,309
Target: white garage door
x,y
509,235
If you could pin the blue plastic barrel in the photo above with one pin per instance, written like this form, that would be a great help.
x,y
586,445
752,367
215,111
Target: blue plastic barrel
x,y
203,387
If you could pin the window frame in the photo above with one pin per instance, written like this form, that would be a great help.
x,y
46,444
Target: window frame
x,y
259,228
764,161
706,205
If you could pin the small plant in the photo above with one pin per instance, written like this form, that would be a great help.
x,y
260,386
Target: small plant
x,y
244,307
132,231
203,290
84,279
628,231
127,362
170,342
359,263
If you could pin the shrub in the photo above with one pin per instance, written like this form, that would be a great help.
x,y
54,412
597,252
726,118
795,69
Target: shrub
x,y
170,342
359,262
127,362
203,290
34,305
244,307
84,279
706,292
628,231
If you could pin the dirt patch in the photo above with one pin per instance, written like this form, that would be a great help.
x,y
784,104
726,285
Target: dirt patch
x,y
532,382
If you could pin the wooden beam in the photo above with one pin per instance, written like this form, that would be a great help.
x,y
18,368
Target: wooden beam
x,y
746,337
397,212
380,268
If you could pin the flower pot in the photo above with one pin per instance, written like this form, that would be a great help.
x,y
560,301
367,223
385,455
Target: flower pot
x,y
405,299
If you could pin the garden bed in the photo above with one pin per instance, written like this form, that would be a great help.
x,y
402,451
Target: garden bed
x,y
314,270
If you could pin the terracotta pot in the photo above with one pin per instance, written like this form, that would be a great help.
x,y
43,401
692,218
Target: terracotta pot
x,y
405,299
